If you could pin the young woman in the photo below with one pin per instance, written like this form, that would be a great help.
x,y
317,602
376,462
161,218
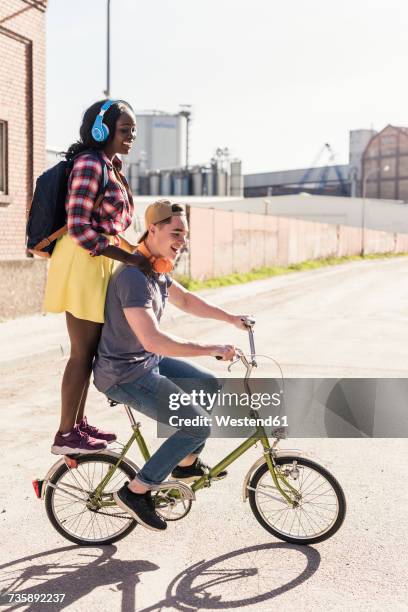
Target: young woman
x,y
82,261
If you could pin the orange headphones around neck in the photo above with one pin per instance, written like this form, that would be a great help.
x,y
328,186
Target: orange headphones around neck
x,y
159,264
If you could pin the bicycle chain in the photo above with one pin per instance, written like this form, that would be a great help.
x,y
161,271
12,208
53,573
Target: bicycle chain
x,y
111,515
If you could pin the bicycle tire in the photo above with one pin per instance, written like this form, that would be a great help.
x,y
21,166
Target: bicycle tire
x,y
50,494
279,533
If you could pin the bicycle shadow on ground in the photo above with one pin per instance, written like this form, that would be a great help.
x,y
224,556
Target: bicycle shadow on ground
x,y
183,595
75,579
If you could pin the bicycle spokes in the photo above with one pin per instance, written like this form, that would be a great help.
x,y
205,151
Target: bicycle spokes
x,y
316,507
78,512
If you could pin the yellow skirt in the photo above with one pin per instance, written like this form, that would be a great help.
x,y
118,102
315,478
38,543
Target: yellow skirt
x,y
77,282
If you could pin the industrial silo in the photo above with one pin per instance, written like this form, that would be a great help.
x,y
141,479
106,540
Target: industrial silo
x,y
180,183
237,180
161,140
197,181
222,183
165,182
155,183
209,182
144,184
358,141
131,172
185,182
177,184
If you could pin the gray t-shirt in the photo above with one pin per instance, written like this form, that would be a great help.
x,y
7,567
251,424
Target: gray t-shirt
x,y
121,357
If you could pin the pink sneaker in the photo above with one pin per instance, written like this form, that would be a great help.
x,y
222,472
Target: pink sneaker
x,y
99,434
76,442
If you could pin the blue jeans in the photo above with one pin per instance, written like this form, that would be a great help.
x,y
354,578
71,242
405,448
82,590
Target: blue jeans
x,y
150,392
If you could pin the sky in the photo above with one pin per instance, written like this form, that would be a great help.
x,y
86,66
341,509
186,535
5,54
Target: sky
x,y
272,81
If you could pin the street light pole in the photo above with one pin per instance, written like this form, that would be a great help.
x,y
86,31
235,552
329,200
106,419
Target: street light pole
x,y
107,91
186,113
363,215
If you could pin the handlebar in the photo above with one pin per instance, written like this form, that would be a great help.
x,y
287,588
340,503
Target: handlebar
x,y
249,361
249,323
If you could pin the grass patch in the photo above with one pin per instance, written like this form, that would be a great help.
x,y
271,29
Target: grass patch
x,y
267,272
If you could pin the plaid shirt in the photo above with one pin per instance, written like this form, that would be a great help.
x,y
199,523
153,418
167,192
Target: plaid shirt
x,y
88,227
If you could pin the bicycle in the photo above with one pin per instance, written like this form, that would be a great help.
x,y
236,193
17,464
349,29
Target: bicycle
x,y
292,497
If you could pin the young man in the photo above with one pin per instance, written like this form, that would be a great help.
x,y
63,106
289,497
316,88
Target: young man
x,y
135,364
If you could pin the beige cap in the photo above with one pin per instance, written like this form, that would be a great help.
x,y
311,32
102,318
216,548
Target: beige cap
x,y
160,211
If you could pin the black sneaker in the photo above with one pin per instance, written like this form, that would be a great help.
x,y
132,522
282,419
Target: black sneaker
x,y
191,472
141,507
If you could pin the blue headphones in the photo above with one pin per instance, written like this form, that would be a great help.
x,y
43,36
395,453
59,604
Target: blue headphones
x,y
100,130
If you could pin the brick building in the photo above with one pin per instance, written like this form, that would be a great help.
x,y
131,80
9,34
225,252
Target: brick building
x,y
22,148
385,164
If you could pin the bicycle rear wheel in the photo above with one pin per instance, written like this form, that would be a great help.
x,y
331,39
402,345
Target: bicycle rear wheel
x,y
69,506
320,505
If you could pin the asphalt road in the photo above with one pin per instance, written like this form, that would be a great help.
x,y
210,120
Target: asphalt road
x,y
343,321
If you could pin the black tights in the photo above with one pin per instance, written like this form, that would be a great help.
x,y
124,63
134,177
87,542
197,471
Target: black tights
x,y
84,337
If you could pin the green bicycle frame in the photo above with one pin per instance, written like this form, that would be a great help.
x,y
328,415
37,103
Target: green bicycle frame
x,y
205,480
259,436
136,436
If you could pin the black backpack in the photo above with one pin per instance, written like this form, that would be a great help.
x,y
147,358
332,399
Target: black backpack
x,y
47,217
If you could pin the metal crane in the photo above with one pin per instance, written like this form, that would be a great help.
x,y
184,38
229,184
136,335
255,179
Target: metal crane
x,y
322,177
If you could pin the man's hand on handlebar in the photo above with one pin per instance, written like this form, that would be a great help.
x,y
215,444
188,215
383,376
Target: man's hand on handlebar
x,y
242,321
226,352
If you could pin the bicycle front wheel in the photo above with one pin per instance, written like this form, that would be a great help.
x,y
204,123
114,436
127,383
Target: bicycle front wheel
x,y
71,506
319,503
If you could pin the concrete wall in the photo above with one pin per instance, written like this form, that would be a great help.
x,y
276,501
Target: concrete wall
x,y
382,215
22,285
222,242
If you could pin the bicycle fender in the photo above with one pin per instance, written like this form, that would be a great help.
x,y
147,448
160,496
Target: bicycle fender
x,y
61,461
50,474
287,452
